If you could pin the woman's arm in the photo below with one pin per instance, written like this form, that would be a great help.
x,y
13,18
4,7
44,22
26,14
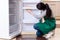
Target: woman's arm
x,y
36,16
40,16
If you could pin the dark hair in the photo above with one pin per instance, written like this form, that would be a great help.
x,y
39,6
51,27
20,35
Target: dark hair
x,y
42,6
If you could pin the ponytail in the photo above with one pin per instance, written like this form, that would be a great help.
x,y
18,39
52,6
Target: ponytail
x,y
48,11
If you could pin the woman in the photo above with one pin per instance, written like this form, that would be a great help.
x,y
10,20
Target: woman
x,y
49,23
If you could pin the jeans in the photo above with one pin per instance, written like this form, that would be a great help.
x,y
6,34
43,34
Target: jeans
x,y
38,33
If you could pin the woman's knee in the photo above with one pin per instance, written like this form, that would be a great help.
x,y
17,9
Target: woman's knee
x,y
35,26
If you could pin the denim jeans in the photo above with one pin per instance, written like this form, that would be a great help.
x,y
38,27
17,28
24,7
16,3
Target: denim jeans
x,y
38,33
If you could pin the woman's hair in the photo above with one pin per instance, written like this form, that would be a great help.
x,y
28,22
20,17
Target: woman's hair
x,y
42,6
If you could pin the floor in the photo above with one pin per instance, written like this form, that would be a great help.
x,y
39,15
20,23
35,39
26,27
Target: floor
x,y
56,37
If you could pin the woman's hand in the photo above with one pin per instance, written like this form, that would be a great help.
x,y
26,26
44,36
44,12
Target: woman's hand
x,y
30,11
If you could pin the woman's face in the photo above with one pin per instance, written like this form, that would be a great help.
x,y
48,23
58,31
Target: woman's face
x,y
43,12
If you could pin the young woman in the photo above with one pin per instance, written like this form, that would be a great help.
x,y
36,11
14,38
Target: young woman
x,y
49,23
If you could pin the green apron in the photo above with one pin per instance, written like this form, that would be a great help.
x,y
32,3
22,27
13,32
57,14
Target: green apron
x,y
47,26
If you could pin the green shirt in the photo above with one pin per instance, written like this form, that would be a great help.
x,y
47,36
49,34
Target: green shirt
x,y
48,25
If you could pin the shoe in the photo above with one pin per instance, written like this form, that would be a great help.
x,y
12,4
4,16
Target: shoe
x,y
49,35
